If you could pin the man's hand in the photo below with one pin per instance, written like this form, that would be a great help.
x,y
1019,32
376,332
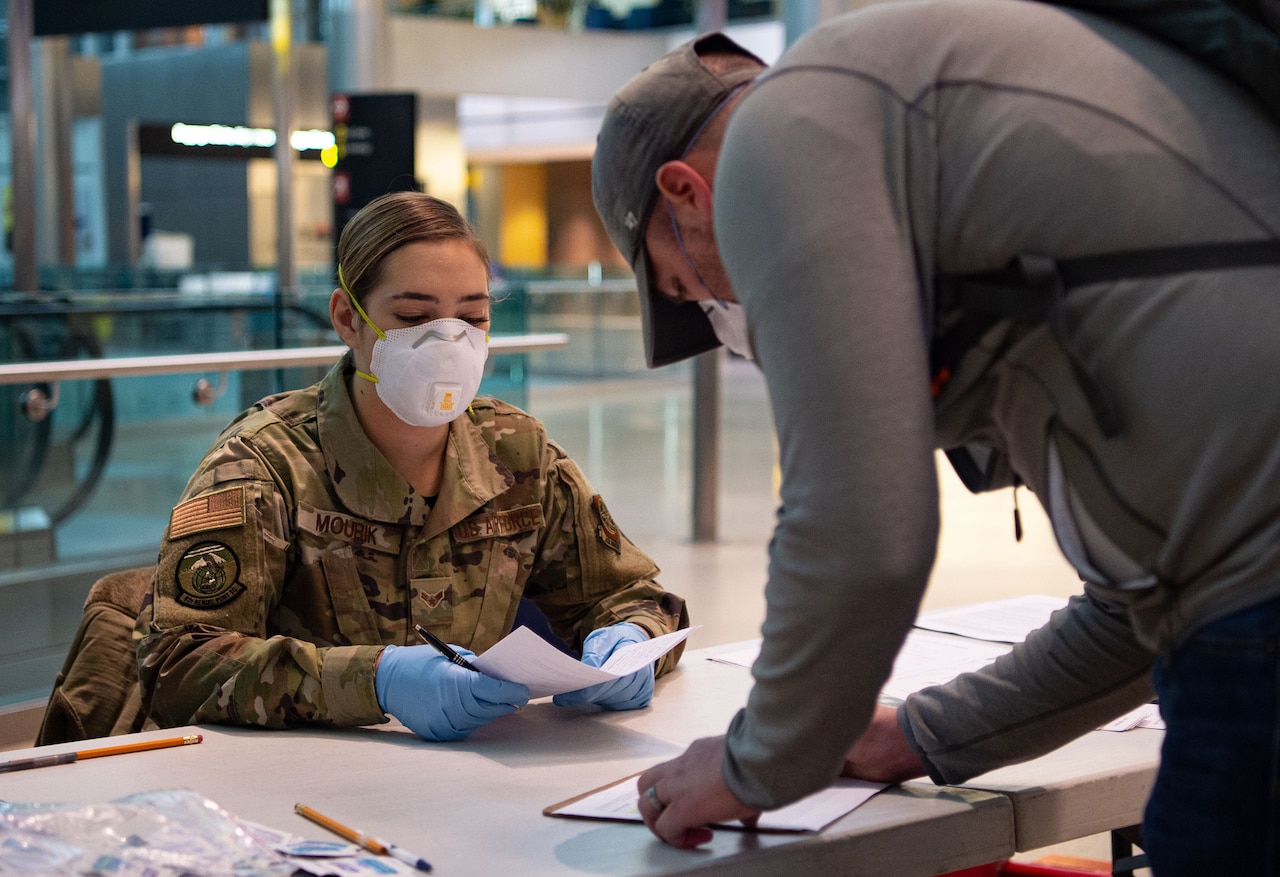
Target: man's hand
x,y
679,799
881,754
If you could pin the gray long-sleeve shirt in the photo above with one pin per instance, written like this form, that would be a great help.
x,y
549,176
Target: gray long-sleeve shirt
x,y
925,137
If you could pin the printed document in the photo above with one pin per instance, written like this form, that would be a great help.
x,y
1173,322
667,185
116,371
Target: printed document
x,y
523,656
1000,621
925,659
949,642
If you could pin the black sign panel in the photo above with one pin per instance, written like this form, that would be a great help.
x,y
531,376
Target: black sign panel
x,y
157,139
374,134
54,17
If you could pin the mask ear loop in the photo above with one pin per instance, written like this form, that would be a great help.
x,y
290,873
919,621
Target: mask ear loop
x,y
382,336
683,252
671,214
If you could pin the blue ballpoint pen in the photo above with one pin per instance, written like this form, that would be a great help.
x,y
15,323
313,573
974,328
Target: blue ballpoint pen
x,y
408,858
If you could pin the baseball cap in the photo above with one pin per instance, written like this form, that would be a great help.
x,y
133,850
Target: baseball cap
x,y
650,121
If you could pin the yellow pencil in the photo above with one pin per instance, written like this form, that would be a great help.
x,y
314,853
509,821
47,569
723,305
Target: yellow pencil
x,y
139,747
72,757
360,839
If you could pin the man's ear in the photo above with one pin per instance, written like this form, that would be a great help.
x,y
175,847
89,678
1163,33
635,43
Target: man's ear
x,y
344,317
685,189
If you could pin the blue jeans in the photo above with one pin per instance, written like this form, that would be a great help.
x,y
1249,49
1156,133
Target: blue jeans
x,y
1215,808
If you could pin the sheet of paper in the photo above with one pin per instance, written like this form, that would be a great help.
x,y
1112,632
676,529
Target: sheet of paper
x,y
1001,621
327,858
617,801
932,659
523,656
1145,716
926,659
743,657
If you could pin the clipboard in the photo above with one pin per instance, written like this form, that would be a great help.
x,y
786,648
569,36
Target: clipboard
x,y
616,802
552,809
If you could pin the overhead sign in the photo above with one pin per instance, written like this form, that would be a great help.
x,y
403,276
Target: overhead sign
x,y
373,138
55,17
225,141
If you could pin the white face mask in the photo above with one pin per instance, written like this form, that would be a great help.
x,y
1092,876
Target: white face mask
x,y
730,324
727,317
426,374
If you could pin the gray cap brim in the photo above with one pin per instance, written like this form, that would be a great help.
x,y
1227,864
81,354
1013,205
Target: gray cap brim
x,y
672,330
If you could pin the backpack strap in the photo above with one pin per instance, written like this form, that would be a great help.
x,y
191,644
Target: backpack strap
x,y
1031,288
1237,38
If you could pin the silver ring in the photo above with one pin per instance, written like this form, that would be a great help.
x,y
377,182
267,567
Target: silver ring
x,y
652,795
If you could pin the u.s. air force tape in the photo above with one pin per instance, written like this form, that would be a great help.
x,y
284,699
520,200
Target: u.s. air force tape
x,y
208,576
498,523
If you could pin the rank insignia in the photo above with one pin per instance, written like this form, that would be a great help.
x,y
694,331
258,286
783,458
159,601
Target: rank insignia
x,y
607,530
208,576
434,599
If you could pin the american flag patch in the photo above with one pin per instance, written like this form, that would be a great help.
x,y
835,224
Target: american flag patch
x,y
213,512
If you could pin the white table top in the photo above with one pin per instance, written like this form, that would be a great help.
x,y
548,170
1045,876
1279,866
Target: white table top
x,y
1094,784
476,807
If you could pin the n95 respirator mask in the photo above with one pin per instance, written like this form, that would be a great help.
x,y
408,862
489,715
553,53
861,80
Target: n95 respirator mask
x,y
428,374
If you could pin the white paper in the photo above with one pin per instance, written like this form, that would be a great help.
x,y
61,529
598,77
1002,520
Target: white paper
x,y
1145,716
619,801
1001,621
926,659
523,656
932,659
327,858
743,657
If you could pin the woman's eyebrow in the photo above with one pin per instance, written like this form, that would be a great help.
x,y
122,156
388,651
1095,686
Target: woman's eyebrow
x,y
410,295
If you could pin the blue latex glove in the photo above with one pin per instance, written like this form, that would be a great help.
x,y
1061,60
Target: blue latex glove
x,y
437,699
627,693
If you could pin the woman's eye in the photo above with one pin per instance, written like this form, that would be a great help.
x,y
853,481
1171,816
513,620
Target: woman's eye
x,y
411,320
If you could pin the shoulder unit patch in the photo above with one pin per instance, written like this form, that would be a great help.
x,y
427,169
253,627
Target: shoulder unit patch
x,y
607,530
208,576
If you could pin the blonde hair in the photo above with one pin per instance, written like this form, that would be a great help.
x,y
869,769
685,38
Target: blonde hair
x,y
389,222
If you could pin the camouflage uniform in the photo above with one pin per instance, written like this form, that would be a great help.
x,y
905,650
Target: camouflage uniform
x,y
297,553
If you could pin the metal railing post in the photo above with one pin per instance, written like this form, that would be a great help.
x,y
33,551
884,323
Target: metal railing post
x,y
706,445
21,219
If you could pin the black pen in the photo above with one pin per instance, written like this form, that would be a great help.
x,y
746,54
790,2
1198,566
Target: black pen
x,y
443,648
38,761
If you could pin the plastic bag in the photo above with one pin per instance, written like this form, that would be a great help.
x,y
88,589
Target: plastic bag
x,y
152,834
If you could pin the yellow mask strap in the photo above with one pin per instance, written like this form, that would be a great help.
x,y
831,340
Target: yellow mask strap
x,y
382,336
